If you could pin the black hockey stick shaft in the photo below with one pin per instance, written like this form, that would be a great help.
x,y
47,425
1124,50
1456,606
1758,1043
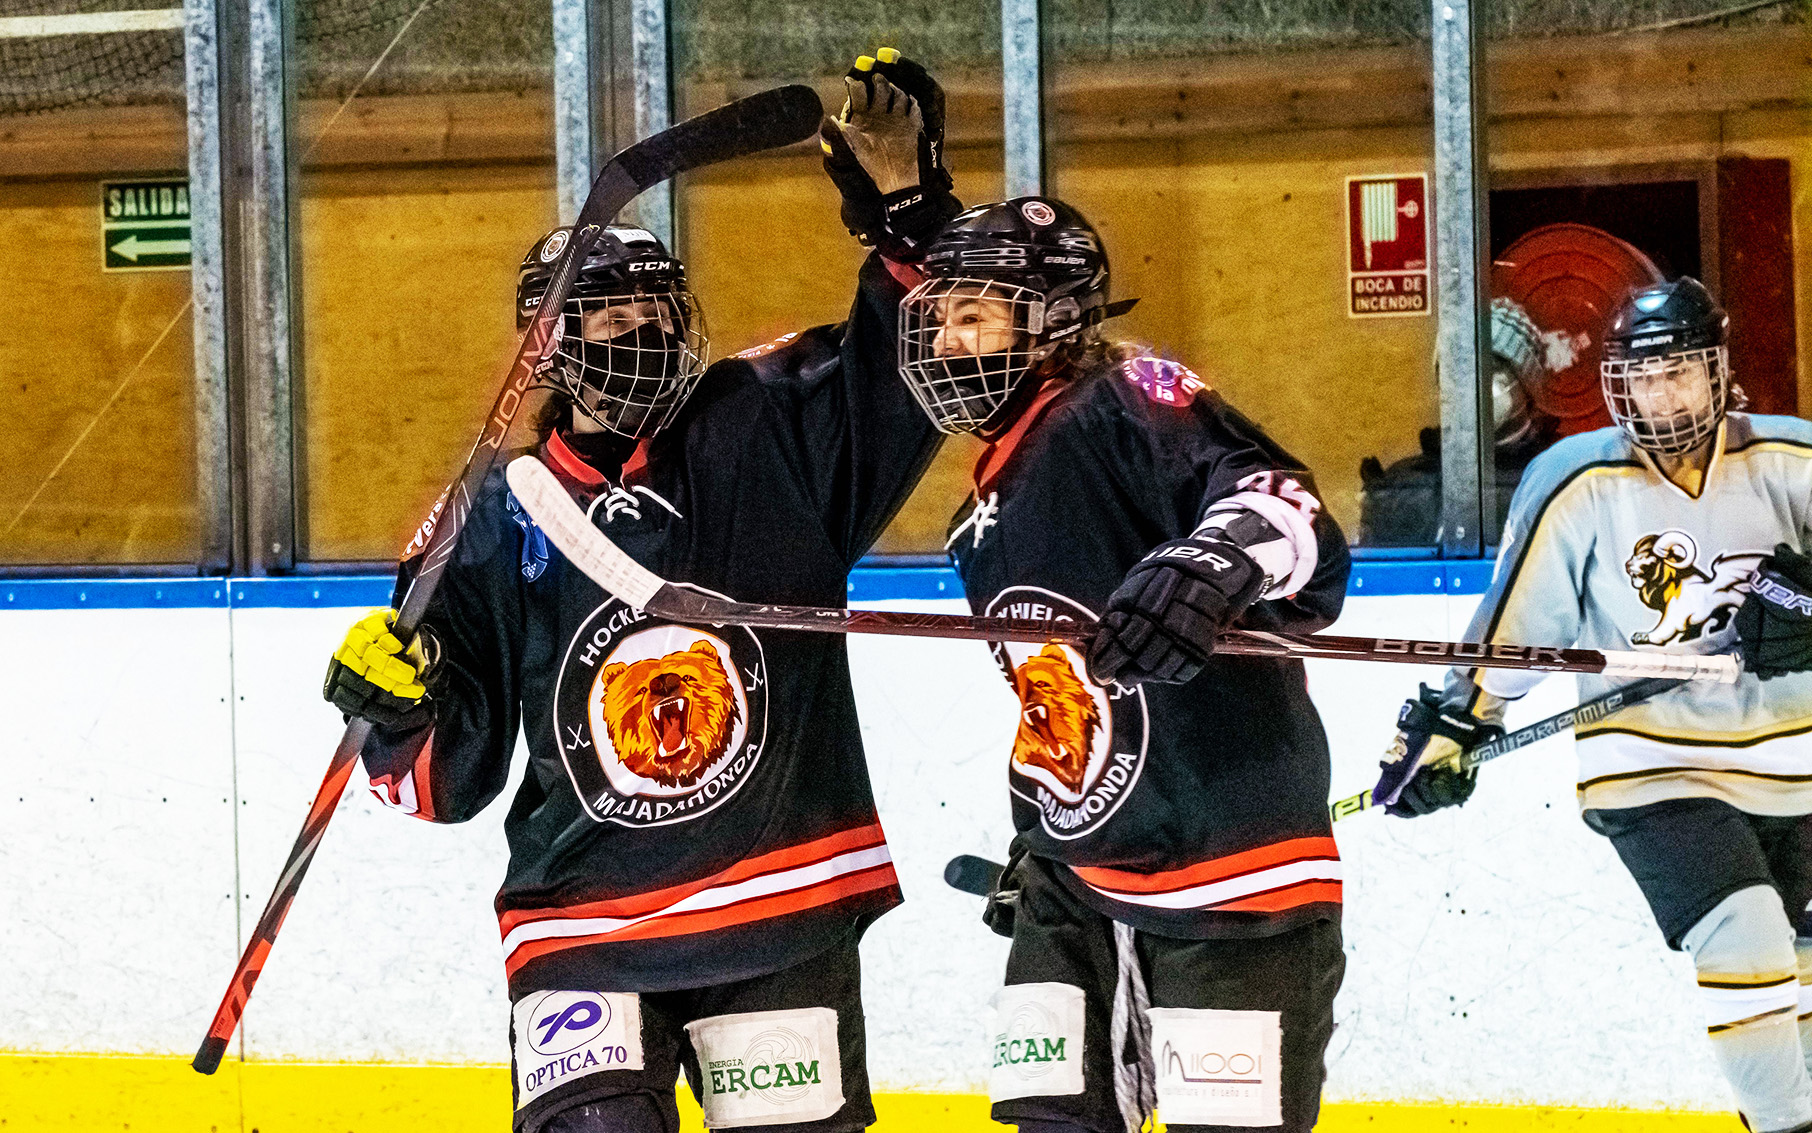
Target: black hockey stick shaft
x,y
685,605
593,553
970,874
1592,710
764,121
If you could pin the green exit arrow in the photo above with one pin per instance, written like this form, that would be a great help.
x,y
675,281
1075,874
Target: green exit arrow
x,y
131,248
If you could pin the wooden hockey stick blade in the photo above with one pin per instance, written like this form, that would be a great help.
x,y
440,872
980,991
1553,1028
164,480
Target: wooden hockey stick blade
x,y
589,549
1561,722
760,122
971,874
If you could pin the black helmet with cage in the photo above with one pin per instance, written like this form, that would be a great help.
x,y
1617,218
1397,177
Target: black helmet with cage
x,y
632,341
1666,368
1009,286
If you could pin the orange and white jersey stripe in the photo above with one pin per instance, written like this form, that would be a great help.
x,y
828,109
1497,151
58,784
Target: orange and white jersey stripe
x,y
775,884
1271,879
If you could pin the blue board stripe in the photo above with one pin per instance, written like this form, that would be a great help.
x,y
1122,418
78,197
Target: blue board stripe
x,y
1372,578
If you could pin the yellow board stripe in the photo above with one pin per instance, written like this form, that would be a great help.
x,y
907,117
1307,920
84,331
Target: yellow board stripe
x,y
78,1093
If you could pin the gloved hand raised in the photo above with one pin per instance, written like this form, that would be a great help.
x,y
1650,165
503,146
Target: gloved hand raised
x,y
1161,623
885,152
1422,772
374,677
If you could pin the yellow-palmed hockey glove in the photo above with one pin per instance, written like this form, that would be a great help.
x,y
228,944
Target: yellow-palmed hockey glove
x,y
374,676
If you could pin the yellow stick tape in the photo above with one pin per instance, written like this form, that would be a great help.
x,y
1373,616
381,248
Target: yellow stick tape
x,y
76,1093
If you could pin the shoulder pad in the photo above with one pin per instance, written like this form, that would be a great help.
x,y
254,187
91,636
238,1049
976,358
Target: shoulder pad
x,y
805,352
1162,380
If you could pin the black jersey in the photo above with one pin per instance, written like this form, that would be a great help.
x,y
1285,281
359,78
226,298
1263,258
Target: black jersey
x,y
696,808
1195,810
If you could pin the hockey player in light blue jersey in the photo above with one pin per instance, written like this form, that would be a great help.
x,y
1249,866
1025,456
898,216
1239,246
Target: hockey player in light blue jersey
x,y
1682,529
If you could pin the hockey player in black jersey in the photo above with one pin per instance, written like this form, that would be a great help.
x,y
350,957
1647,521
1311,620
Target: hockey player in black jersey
x,y
1174,894
694,849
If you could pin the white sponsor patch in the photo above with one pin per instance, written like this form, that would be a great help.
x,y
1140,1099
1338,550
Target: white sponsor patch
x,y
563,1035
1037,1041
769,1067
1218,1067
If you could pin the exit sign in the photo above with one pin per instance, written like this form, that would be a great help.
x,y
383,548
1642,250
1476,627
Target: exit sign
x,y
144,225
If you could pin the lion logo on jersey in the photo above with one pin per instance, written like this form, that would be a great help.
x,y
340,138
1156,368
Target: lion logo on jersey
x,y
1057,717
670,717
1692,603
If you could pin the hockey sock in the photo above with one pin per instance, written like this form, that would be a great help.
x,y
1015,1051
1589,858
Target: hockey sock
x,y
1802,947
1749,989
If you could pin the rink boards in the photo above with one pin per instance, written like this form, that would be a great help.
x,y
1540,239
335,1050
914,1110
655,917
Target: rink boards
x,y
173,735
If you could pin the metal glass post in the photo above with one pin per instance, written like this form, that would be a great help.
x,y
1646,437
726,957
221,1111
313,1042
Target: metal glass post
x,y
1022,96
574,48
652,49
1462,280
213,441
261,197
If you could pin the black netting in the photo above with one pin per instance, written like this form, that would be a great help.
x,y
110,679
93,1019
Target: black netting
x,y
506,45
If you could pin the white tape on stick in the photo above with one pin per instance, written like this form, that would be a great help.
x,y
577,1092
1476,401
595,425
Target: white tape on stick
x,y
553,510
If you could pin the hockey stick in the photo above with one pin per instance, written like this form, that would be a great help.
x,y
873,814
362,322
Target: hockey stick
x,y
968,873
589,549
1590,712
764,121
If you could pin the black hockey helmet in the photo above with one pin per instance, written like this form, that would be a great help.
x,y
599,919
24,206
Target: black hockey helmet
x,y
1033,259
1666,369
1035,242
632,342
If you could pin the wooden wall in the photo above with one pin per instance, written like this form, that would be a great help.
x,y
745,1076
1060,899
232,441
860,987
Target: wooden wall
x,y
1217,183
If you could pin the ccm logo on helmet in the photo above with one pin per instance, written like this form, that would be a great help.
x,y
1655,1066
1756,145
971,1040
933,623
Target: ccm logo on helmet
x,y
1782,596
651,265
1200,554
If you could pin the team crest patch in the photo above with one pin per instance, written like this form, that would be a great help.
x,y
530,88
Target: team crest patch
x,y
556,243
658,723
1696,605
1079,748
1164,381
1039,213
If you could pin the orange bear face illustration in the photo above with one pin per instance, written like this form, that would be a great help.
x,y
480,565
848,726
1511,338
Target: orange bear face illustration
x,y
670,717
1057,717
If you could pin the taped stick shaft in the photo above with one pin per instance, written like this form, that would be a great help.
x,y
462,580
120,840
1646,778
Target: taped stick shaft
x,y
1589,712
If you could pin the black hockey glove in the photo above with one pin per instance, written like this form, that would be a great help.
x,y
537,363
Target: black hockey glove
x,y
374,677
885,153
1161,623
1406,788
1775,622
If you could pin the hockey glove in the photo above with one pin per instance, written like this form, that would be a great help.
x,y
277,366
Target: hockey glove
x,y
885,153
372,676
1420,773
1775,622
1161,623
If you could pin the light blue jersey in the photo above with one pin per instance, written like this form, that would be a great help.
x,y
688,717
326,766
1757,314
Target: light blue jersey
x,y
1602,551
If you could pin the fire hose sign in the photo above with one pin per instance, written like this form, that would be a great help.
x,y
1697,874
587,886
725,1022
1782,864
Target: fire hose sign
x,y
1387,246
144,225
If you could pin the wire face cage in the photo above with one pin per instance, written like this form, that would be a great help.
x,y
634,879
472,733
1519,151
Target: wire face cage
x,y
965,344
1671,403
631,360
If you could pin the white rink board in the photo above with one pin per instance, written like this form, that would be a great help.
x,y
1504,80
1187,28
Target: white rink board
x,y
1496,953
116,828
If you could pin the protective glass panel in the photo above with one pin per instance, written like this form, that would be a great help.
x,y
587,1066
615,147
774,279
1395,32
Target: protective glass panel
x,y
97,356
1261,176
425,139
1639,144
764,246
